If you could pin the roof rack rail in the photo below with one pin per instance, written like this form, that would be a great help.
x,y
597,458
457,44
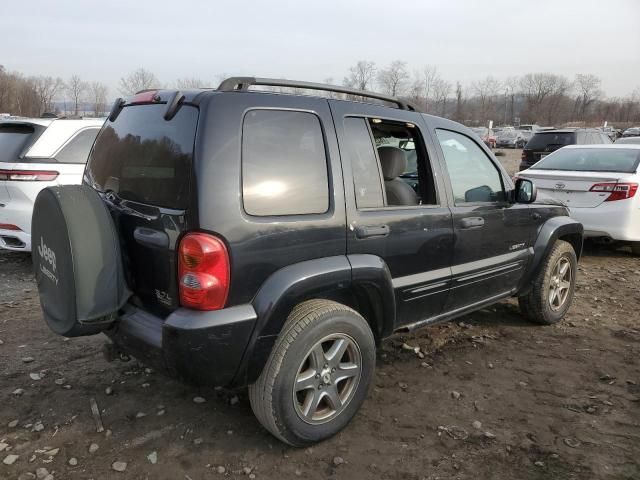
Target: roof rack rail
x,y
235,84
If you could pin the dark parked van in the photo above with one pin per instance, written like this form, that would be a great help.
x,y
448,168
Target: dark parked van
x,y
544,142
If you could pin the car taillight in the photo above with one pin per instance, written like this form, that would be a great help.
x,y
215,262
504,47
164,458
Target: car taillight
x,y
28,175
10,226
617,191
203,272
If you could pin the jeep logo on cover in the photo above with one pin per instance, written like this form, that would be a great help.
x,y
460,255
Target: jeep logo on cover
x,y
49,255
560,185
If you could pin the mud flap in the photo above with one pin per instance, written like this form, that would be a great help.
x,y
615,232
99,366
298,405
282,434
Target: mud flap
x,y
77,261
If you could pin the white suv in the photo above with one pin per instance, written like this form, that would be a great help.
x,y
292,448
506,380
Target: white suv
x,y
36,153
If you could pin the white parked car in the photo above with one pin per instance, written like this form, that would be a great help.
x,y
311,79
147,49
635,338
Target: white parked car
x,y
599,185
36,153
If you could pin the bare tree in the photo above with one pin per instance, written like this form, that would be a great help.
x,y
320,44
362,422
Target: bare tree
x,y
99,97
47,88
536,87
588,88
393,78
557,98
429,79
191,82
137,80
441,91
486,91
361,75
76,88
511,85
459,113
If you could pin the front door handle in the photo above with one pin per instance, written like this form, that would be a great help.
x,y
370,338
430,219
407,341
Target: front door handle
x,y
368,231
472,222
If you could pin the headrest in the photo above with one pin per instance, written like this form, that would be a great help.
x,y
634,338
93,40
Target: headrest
x,y
393,161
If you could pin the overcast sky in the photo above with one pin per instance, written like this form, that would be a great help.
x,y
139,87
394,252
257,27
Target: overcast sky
x,y
465,39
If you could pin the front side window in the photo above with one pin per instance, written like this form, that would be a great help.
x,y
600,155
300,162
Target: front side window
x,y
474,177
284,164
77,150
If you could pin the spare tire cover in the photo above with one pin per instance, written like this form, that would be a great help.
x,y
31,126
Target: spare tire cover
x,y
77,260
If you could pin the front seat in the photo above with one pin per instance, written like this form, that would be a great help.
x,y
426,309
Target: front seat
x,y
394,163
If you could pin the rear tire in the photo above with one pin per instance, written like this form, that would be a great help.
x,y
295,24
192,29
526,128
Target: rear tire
x,y
553,286
307,392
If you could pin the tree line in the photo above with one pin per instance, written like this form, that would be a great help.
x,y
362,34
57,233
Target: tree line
x,y
542,98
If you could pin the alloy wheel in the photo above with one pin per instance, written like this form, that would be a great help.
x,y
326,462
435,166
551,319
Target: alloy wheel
x,y
560,283
327,379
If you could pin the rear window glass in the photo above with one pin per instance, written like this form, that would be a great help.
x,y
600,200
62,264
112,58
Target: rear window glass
x,y
13,140
543,140
284,164
144,158
77,150
591,160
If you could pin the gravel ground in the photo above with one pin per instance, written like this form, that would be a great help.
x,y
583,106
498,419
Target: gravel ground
x,y
488,396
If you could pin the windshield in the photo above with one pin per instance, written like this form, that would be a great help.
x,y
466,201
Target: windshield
x,y
508,134
144,158
543,140
13,140
591,160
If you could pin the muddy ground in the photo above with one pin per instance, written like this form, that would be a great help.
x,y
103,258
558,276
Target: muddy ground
x,y
493,398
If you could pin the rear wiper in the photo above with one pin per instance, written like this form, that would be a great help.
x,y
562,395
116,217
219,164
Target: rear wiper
x,y
113,199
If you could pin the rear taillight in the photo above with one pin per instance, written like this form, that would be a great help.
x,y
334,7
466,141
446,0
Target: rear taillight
x,y
203,272
617,191
10,226
28,175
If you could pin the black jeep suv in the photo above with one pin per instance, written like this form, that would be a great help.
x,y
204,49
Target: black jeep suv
x,y
234,237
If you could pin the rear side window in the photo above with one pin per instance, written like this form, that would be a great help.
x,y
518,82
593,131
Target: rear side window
x,y
364,164
144,158
284,164
77,150
544,140
13,140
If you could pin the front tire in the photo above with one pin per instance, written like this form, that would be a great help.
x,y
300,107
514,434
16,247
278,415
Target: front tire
x,y
553,286
318,373
635,248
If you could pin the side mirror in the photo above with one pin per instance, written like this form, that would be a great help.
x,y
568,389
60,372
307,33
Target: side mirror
x,y
525,191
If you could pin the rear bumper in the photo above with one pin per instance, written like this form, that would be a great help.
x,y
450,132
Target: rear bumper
x,y
15,240
18,212
203,348
617,220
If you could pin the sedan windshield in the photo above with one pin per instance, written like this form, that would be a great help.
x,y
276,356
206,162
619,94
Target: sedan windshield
x,y
591,160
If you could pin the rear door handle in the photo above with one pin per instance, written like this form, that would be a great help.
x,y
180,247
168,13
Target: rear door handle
x,y
368,231
472,222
